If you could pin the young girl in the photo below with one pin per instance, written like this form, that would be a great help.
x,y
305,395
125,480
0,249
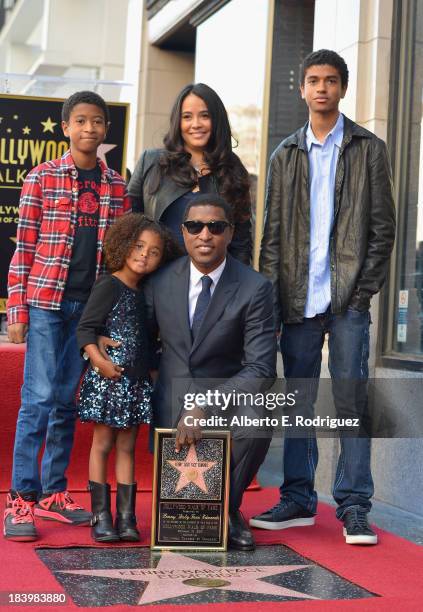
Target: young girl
x,y
116,394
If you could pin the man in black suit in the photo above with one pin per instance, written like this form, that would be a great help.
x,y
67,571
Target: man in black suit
x,y
215,317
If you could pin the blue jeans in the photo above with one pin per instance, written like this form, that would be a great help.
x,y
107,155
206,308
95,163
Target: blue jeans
x,y
53,367
301,347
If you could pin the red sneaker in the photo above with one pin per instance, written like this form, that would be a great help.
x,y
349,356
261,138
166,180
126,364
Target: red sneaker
x,y
61,507
18,523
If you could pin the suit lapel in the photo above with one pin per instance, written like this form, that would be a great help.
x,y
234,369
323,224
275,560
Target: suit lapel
x,y
180,291
225,289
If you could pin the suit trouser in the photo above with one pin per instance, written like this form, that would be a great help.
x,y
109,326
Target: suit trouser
x,y
247,455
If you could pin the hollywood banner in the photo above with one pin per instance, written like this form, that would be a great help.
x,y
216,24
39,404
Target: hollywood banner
x,y
30,134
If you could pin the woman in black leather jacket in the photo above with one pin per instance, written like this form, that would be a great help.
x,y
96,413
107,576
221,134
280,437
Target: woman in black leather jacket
x,y
197,157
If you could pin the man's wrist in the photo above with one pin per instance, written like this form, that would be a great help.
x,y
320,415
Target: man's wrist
x,y
196,411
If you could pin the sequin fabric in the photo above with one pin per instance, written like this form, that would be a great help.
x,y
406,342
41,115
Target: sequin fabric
x,y
126,402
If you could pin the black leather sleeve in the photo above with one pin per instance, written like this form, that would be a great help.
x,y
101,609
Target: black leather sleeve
x,y
381,233
269,263
241,246
136,184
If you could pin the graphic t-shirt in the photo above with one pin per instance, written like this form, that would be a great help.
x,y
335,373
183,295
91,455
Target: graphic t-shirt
x,y
82,266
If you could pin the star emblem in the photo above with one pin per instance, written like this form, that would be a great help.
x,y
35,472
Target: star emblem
x,y
102,151
26,130
15,116
48,125
191,470
177,575
9,130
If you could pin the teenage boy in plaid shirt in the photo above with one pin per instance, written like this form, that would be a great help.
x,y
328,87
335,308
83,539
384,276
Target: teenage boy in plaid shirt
x,y
65,208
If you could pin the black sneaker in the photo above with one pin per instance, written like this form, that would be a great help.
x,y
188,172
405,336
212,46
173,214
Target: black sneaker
x,y
286,513
356,527
61,507
18,522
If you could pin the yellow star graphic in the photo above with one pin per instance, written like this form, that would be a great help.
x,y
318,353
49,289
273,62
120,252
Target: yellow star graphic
x,y
26,130
15,116
48,125
9,130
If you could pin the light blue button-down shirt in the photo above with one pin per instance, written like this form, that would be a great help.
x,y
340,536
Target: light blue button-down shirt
x,y
323,158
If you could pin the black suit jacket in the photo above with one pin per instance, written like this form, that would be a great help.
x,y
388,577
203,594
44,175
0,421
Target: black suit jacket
x,y
236,342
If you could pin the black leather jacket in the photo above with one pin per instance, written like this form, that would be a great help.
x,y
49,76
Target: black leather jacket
x,y
154,204
363,230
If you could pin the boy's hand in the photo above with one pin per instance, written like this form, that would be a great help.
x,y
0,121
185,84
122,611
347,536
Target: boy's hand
x,y
17,332
107,368
103,342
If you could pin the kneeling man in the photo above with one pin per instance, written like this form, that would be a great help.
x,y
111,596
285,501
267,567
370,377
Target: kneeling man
x,y
215,317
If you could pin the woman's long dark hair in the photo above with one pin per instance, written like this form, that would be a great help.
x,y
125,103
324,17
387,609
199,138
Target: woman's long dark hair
x,y
231,176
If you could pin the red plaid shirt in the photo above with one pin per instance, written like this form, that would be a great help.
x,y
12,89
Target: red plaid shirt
x,y
47,216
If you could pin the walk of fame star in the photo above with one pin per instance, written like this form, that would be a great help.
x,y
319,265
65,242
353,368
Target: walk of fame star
x,y
102,151
175,575
191,470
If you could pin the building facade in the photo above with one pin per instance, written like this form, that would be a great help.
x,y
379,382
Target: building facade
x,y
250,51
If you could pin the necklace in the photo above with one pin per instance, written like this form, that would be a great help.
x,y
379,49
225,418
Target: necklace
x,y
200,168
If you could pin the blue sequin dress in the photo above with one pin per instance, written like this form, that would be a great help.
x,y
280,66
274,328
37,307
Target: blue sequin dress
x,y
125,402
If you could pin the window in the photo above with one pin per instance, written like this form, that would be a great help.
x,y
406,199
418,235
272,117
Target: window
x,y
231,58
404,337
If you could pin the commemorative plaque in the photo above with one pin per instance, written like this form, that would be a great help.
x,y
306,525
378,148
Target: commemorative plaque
x,y
190,492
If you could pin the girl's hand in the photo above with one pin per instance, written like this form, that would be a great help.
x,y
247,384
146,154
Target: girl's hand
x,y
107,369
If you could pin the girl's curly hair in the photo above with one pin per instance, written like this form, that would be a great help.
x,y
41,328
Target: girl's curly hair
x,y
123,235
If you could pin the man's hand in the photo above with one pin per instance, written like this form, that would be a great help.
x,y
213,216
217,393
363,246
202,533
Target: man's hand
x,y
103,342
187,434
103,365
17,332
106,368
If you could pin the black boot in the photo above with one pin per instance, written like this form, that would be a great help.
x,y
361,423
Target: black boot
x,y
126,522
239,534
102,529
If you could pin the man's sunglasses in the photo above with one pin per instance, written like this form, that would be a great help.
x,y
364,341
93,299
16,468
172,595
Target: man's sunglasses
x,y
215,227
